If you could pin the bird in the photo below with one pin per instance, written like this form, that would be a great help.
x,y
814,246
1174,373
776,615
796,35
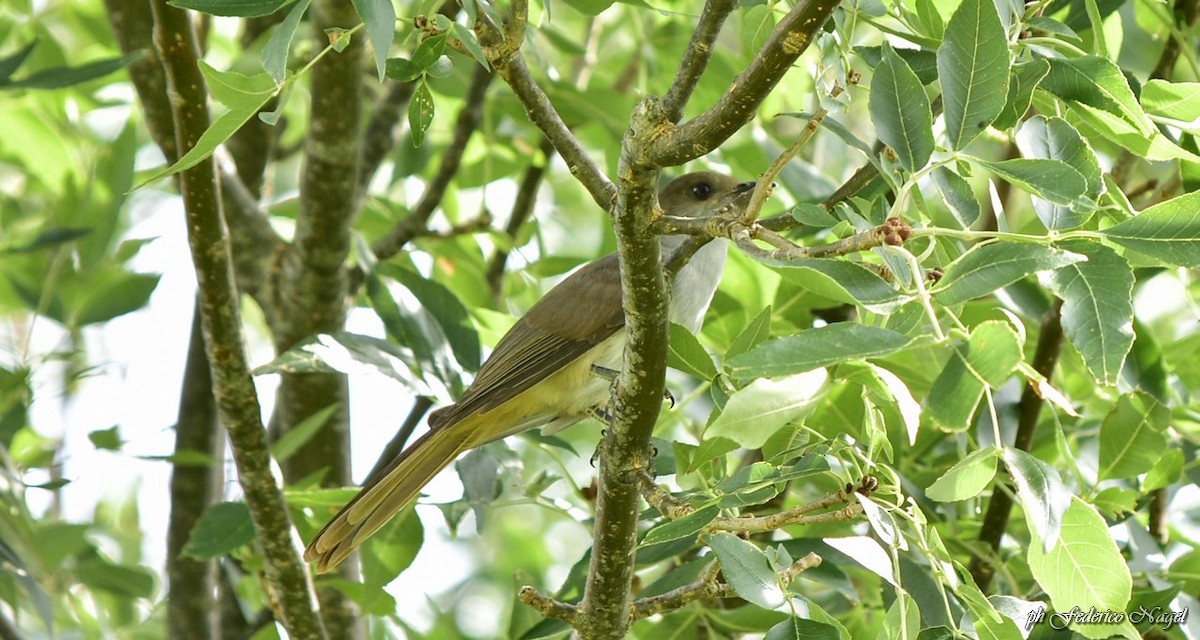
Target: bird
x,y
551,370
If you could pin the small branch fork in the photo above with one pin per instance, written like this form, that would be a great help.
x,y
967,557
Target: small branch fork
x,y
706,586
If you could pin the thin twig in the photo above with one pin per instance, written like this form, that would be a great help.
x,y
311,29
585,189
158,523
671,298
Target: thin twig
x,y
549,607
521,210
396,445
465,126
696,56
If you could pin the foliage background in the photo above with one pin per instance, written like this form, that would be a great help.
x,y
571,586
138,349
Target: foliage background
x,y
1095,142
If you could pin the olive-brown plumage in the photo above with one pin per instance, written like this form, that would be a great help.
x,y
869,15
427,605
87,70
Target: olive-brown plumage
x,y
541,372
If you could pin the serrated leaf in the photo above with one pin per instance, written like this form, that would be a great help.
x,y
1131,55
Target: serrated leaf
x,y
900,111
222,528
379,16
755,413
685,353
1051,180
747,570
1097,312
966,479
1084,570
1025,78
1042,493
988,267
1132,436
816,348
1174,100
1169,231
1096,82
973,64
420,113
233,8
1055,139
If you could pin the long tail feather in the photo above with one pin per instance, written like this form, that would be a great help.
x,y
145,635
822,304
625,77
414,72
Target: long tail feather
x,y
385,495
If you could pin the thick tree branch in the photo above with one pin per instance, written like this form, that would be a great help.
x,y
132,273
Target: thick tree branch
x,y
502,51
995,519
695,58
237,402
700,135
190,607
254,242
417,220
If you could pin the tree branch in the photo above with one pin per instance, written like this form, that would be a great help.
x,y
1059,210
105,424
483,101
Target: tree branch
x,y
521,210
190,607
379,137
502,52
417,220
696,57
995,519
700,135
237,403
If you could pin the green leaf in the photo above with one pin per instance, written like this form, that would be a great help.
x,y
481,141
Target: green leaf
x,y
685,353
391,551
844,281
9,64
986,360
114,296
1174,100
1055,139
900,111
687,526
816,348
958,195
467,37
223,528
802,629
1133,436
121,580
420,113
232,8
922,62
1096,82
1149,145
1165,472
966,479
1097,312
1084,570
589,7
973,64
428,52
755,332
1025,78
244,95
290,442
379,16
60,77
275,52
447,310
106,439
747,570
988,267
1169,231
755,413
1042,494
1051,180
402,70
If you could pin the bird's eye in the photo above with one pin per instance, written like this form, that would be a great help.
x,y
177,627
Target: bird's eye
x,y
701,190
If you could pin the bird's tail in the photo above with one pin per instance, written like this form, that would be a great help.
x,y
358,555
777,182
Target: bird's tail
x,y
385,494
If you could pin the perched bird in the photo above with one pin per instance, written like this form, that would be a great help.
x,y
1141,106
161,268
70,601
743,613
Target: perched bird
x,y
546,371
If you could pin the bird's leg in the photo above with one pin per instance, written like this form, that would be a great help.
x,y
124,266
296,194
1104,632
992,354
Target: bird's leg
x,y
611,376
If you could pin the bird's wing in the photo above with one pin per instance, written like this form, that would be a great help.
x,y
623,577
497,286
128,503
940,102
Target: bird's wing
x,y
571,319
